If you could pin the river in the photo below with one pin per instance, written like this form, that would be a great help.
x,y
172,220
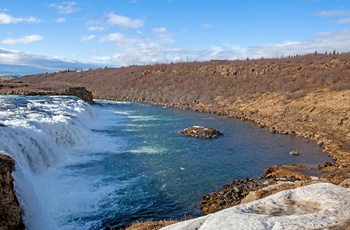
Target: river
x,y
81,166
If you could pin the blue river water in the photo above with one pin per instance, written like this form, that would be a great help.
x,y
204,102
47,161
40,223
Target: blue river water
x,y
90,167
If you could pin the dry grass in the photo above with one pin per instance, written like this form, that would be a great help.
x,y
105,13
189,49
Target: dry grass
x,y
150,224
195,82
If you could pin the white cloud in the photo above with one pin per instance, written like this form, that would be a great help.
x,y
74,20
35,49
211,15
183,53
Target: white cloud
x,y
8,19
66,7
8,57
343,21
159,30
114,19
332,13
111,20
115,37
22,40
60,20
96,28
207,25
320,42
32,20
87,38
95,51
147,51
15,62
166,36
137,51
123,42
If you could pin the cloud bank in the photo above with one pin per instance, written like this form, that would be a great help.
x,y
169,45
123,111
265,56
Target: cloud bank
x,y
135,51
15,62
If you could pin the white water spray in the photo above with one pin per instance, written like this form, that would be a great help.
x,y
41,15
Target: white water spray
x,y
35,132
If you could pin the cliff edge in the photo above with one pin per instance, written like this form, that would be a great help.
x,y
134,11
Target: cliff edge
x,y
19,88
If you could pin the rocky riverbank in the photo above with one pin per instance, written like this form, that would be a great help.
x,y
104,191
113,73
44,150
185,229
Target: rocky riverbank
x,y
277,178
314,206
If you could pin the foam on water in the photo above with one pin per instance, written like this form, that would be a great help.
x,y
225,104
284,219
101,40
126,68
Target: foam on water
x,y
148,150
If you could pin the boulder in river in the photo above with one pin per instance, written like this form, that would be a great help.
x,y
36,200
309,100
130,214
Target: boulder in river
x,y
201,132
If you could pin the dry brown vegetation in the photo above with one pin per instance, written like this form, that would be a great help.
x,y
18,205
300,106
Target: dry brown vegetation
x,y
150,225
205,82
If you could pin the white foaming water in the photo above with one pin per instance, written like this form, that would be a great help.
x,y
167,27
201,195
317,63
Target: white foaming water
x,y
45,135
148,150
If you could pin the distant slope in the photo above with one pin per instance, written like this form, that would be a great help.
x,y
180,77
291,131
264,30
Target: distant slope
x,y
205,81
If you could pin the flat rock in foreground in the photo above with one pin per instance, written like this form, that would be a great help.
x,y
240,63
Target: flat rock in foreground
x,y
201,132
316,206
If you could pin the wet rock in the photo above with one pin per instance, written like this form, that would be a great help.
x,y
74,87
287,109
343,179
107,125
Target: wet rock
x,y
324,165
201,132
10,211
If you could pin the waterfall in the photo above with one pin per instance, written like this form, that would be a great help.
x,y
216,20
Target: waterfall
x,y
36,132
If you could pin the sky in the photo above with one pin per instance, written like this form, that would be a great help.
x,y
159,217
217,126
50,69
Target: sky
x,y
48,35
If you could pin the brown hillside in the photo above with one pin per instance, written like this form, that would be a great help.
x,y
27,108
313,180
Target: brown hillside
x,y
205,81
308,95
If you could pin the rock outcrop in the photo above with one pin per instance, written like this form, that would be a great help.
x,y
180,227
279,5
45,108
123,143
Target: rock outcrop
x,y
10,211
290,172
316,206
201,132
19,88
80,92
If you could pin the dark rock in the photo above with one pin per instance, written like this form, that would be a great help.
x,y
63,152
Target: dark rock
x,y
80,92
201,132
231,195
10,211
239,192
324,165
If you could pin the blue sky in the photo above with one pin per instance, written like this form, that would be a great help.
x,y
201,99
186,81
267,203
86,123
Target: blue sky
x,y
49,35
